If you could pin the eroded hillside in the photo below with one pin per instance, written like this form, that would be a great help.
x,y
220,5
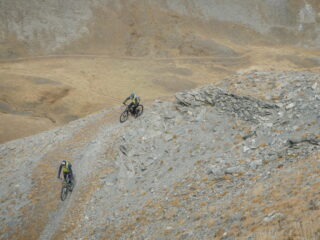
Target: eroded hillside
x,y
234,160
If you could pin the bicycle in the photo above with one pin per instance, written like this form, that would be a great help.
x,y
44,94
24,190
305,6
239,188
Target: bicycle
x,y
124,116
67,186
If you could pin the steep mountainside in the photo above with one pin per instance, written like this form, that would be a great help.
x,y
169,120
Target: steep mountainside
x,y
238,160
140,28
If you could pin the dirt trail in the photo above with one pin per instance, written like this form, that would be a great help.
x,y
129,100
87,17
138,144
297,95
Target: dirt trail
x,y
49,212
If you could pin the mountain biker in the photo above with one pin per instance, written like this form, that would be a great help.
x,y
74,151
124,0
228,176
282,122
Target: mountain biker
x,y
135,100
66,168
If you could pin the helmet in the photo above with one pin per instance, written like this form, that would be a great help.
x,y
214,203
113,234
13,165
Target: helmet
x,y
64,163
132,95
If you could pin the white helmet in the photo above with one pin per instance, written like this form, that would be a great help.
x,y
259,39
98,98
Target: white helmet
x,y
132,95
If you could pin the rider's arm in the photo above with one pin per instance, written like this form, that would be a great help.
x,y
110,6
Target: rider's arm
x,y
124,102
59,172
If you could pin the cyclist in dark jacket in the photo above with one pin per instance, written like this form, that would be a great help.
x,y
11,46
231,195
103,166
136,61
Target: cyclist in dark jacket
x,y
66,168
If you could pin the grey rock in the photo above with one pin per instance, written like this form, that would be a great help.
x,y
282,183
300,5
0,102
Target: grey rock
x,y
314,86
291,105
245,137
123,149
256,164
245,149
234,170
168,137
216,171
272,216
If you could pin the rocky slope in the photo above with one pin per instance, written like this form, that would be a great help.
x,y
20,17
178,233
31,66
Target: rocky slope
x,y
238,160
63,60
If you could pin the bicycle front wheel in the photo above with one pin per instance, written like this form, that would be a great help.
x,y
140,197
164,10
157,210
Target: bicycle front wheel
x,y
64,193
124,116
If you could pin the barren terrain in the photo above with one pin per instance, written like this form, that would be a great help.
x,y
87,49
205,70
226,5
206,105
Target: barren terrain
x,y
227,147
234,160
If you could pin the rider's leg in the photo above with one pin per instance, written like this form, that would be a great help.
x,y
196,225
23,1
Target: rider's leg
x,y
131,107
71,176
65,176
135,108
71,181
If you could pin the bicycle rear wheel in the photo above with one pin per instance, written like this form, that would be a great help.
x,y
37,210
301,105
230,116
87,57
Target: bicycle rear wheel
x,y
124,116
139,111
